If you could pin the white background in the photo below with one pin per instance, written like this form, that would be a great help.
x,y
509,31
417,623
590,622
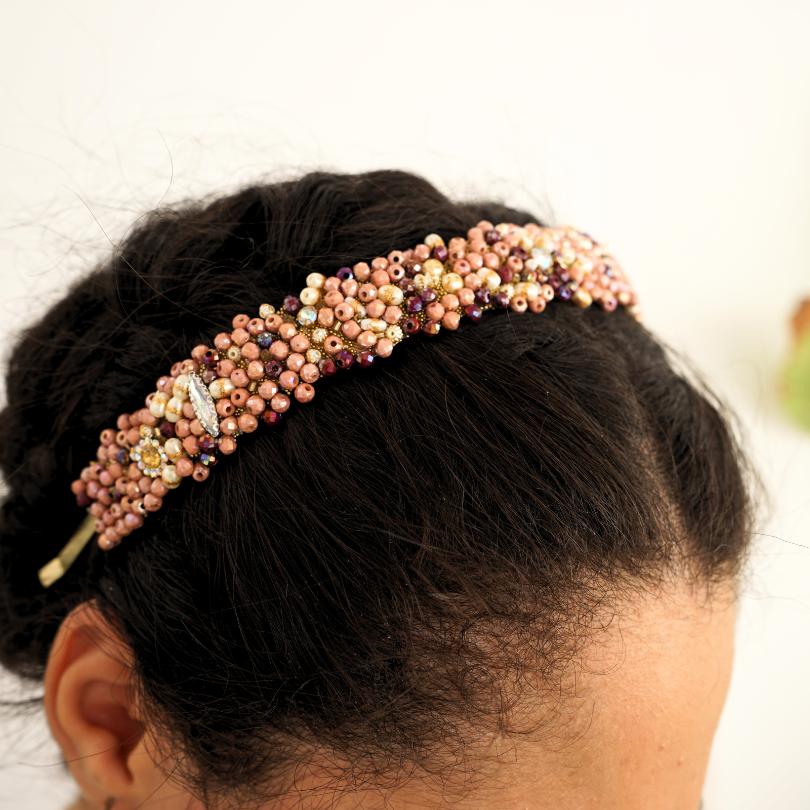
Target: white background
x,y
676,132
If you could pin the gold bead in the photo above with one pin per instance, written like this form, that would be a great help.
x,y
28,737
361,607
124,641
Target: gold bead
x,y
582,298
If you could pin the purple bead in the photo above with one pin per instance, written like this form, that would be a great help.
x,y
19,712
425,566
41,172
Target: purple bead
x,y
210,358
271,417
83,499
491,237
292,304
208,376
501,300
407,286
563,277
411,325
473,312
167,429
429,295
206,443
482,296
414,304
264,339
121,456
344,359
273,368
209,459
564,293
327,366
506,274
365,359
440,253
519,252
344,273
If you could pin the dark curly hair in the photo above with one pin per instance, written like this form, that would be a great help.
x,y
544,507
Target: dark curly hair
x,y
369,575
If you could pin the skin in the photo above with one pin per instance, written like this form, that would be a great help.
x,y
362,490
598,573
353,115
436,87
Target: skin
x,y
643,700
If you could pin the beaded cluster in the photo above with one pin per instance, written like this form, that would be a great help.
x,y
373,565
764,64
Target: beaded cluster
x,y
253,373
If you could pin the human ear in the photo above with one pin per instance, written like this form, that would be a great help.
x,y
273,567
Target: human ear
x,y
93,713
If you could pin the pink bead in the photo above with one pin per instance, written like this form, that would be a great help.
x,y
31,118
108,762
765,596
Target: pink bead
x,y
133,521
421,253
188,411
122,423
465,297
392,314
78,487
196,428
344,311
240,321
380,263
159,488
384,347
331,284
449,301
225,368
367,292
191,446
326,317
152,502
255,326
333,298
239,397
255,404
248,423
197,353
181,428
349,287
273,323
333,344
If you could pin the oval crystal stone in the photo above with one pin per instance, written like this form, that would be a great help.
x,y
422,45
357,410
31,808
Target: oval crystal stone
x,y
203,404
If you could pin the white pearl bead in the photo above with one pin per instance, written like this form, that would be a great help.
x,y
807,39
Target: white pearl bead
x,y
390,294
316,280
157,407
174,409
180,388
310,296
221,388
173,448
170,476
452,282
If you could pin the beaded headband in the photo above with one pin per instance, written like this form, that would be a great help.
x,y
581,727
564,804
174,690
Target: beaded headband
x,y
253,373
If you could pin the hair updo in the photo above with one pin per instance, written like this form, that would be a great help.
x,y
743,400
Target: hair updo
x,y
363,577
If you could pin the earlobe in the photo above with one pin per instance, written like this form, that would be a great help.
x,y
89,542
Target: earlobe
x,y
90,706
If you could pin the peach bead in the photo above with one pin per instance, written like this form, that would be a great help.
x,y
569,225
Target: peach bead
x,y
228,426
449,301
465,297
295,361
435,311
250,351
239,397
240,336
331,284
421,252
268,389
351,329
392,314
366,339
361,271
304,392
333,298
344,311
326,317
122,423
152,502
299,343
273,323
379,277
279,350
197,353
537,304
133,437
196,428
348,287
200,473
188,411
181,428
225,368
255,404
380,263
248,423
375,308
287,330
223,341
239,377
255,326
191,446
227,445
240,321
309,372
159,488
288,379
333,344
280,403
367,292
450,320
255,369
185,466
